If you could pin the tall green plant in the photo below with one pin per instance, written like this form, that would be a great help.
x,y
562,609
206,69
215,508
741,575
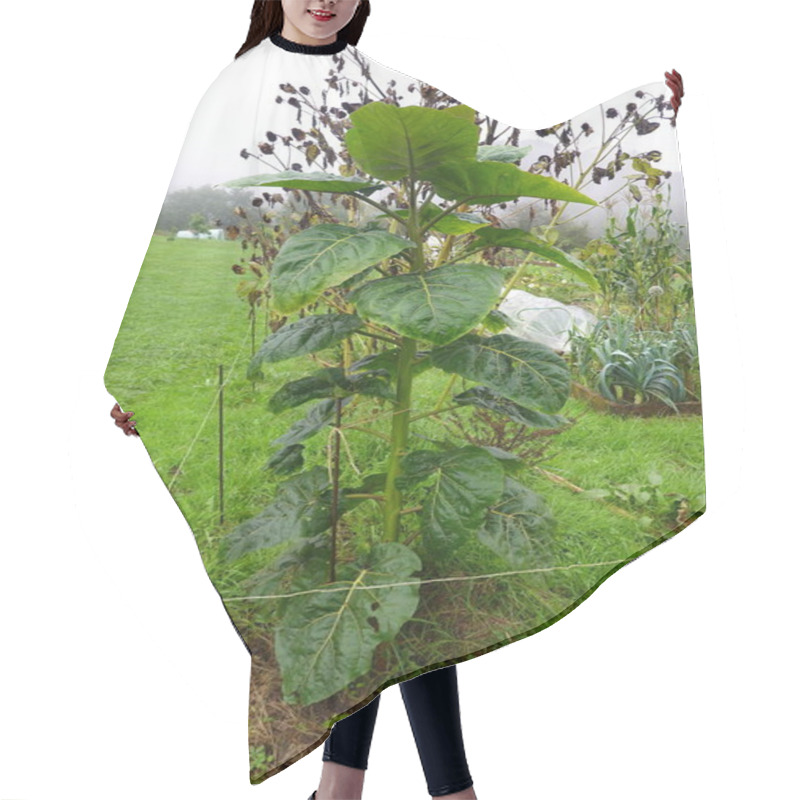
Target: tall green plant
x,y
417,313
586,156
641,265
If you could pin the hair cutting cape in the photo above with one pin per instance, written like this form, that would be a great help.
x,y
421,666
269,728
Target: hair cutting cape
x,y
418,380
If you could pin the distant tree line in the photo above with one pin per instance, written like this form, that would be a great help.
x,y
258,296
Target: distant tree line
x,y
184,208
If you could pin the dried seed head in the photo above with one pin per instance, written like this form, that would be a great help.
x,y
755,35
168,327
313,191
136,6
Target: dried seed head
x,y
645,126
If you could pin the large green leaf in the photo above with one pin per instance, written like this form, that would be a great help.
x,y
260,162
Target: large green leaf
x,y
330,382
326,639
510,462
489,236
455,223
501,152
322,383
307,335
308,558
496,321
437,306
484,397
311,181
388,359
466,481
487,182
519,528
323,256
526,372
393,142
287,460
317,417
301,508
373,483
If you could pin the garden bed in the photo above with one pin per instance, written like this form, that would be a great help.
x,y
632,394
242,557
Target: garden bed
x,y
651,409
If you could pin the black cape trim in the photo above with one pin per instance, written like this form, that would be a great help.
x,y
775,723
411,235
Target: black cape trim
x,y
309,49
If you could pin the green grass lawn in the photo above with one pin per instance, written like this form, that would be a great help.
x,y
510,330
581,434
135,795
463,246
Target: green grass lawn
x,y
189,320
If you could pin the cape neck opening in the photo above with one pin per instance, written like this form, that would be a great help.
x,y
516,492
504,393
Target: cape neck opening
x,y
309,49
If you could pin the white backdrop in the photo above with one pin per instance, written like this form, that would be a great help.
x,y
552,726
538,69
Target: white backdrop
x,y
120,673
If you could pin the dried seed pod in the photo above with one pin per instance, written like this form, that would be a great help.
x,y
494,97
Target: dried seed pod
x,y
645,126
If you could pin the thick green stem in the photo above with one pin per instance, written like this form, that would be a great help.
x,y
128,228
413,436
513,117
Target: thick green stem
x,y
405,362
